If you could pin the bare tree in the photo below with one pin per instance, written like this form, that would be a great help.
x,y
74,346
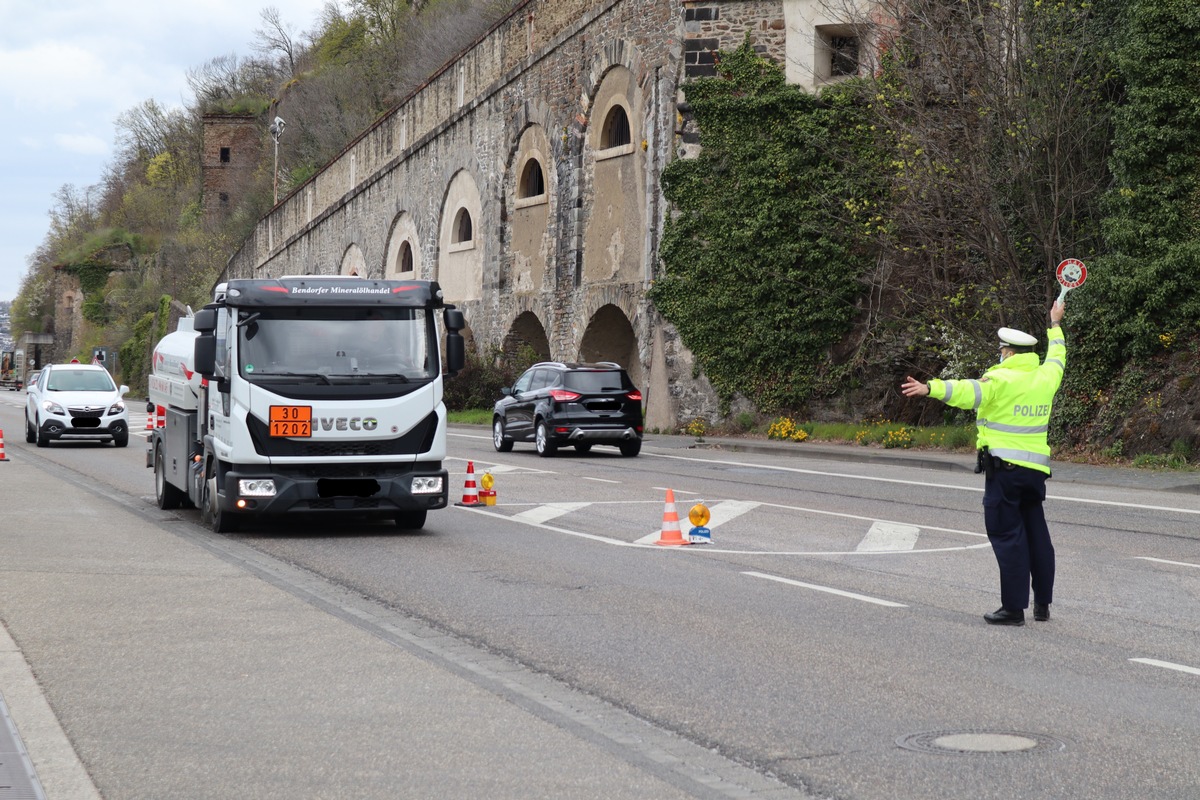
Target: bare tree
x,y
277,37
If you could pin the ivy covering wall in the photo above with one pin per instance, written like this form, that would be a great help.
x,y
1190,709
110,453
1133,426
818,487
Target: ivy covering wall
x,y
765,251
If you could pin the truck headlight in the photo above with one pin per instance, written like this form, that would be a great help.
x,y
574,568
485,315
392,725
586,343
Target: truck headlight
x,y
427,485
256,487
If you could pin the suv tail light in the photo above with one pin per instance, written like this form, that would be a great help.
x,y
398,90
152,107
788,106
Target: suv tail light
x,y
563,396
635,395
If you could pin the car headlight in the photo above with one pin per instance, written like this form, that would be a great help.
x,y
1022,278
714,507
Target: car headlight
x,y
427,485
256,487
117,408
51,407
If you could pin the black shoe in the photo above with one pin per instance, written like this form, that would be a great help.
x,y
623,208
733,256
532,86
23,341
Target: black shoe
x,y
1041,613
1003,616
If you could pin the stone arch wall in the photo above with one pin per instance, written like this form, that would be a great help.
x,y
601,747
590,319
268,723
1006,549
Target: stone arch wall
x,y
353,262
460,260
544,73
403,232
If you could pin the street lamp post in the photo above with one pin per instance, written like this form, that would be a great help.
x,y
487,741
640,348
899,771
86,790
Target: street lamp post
x,y
276,132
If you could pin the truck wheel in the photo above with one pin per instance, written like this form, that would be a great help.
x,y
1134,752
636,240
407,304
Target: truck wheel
x,y
411,520
220,521
545,447
167,495
631,448
502,444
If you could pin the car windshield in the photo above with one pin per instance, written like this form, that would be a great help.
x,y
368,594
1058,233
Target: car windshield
x,y
324,344
79,380
598,381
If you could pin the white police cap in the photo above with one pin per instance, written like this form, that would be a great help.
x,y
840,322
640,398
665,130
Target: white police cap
x,y
1016,338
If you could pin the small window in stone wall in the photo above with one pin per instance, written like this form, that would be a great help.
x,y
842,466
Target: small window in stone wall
x,y
406,257
837,51
533,180
463,231
616,128
225,153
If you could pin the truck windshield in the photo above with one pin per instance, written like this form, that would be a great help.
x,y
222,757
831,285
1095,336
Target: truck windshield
x,y
337,344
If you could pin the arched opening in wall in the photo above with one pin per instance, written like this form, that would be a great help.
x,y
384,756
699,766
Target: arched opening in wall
x,y
406,258
353,262
533,180
463,231
609,336
526,342
615,131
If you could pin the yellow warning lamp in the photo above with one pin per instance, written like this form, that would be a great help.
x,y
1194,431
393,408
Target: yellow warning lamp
x,y
486,481
699,515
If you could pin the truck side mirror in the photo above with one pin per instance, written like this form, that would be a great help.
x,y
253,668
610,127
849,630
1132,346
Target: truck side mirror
x,y
205,320
454,319
456,353
205,355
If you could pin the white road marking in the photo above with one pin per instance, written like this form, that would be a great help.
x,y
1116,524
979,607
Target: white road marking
x,y
827,589
713,550
885,536
1154,662
1165,561
925,484
547,512
598,480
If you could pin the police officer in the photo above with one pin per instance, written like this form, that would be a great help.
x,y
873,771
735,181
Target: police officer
x,y
1012,403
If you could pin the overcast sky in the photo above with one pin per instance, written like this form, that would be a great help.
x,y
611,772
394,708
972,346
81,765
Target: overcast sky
x,y
68,68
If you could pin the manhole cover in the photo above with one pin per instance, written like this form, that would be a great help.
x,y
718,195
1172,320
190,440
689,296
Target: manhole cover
x,y
981,742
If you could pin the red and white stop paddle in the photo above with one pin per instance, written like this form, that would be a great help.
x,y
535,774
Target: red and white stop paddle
x,y
1071,274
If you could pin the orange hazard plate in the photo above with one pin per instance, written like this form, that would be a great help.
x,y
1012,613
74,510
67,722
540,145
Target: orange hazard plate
x,y
291,421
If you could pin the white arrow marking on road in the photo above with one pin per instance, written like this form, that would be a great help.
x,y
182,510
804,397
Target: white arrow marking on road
x,y
889,536
721,513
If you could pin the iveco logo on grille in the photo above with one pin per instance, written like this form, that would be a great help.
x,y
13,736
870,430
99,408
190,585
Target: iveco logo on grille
x,y
348,423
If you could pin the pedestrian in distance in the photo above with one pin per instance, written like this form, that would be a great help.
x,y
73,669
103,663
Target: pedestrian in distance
x,y
1012,401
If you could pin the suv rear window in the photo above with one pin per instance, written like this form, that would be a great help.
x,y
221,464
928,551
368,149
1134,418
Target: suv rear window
x,y
597,381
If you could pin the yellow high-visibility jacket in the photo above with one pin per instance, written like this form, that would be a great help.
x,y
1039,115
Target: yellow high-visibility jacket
x,y
1012,403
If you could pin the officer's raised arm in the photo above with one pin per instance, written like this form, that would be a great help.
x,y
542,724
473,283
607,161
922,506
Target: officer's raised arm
x,y
914,388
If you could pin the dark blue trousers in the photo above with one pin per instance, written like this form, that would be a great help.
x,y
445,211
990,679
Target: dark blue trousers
x,y
1016,527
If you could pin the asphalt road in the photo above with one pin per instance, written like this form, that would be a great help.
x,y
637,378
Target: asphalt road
x,y
829,643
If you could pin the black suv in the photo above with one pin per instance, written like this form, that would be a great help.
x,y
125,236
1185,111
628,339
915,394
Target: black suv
x,y
554,404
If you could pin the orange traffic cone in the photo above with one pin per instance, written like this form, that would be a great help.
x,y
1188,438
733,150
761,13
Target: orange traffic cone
x,y
470,493
150,421
671,535
2,456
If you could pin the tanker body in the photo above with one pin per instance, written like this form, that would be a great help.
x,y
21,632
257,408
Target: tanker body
x,y
306,395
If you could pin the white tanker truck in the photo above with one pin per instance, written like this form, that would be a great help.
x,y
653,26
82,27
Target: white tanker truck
x,y
310,395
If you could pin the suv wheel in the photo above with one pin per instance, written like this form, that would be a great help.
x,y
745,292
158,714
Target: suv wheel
x,y
120,437
30,431
631,448
542,442
501,444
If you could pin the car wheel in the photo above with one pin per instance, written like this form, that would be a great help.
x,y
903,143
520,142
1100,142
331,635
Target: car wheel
x,y
545,447
583,447
167,494
631,448
30,432
412,520
43,438
501,444
121,437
